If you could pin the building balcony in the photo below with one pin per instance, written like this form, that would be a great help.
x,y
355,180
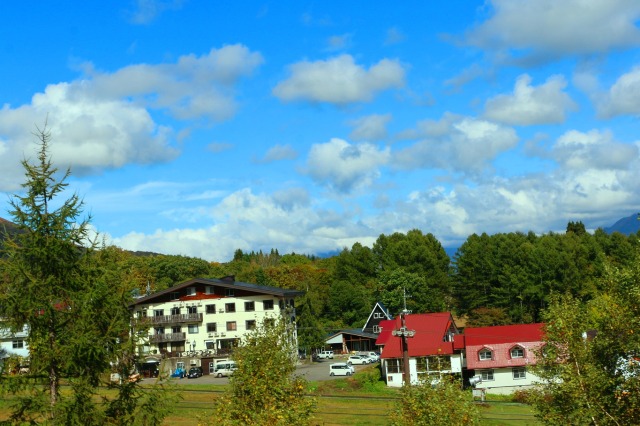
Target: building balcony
x,y
173,319
167,337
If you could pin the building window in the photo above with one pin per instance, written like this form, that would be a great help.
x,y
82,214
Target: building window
x,y
229,292
193,328
517,352
231,326
158,312
174,295
230,307
209,290
485,355
377,329
251,324
249,306
377,315
212,327
210,309
192,309
176,329
191,291
394,365
519,373
267,305
18,344
175,311
159,330
487,375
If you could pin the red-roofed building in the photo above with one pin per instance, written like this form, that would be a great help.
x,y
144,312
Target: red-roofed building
x,y
501,355
431,349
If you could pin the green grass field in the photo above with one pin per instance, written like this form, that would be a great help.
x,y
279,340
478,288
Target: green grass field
x,y
340,402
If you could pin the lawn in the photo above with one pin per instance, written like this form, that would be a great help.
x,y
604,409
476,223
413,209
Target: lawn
x,y
340,402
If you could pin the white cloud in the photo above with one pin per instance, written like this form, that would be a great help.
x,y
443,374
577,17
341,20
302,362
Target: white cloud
x,y
370,128
529,105
547,29
194,87
344,166
339,80
394,36
457,143
258,222
87,133
339,42
594,150
622,98
148,10
279,153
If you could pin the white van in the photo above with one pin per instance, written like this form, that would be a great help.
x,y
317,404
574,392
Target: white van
x,y
340,369
225,368
325,355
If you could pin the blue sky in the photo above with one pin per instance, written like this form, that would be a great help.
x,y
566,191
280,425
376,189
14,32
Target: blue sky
x,y
201,127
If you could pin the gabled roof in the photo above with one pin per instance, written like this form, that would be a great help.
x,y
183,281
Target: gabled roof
x,y
226,282
497,334
430,331
382,309
354,332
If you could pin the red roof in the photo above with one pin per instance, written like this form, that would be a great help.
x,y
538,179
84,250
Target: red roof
x,y
430,331
387,327
503,334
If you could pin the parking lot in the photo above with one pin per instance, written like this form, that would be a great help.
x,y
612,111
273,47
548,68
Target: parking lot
x,y
312,371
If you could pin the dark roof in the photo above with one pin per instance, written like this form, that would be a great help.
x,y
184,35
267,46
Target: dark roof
x,y
226,282
355,332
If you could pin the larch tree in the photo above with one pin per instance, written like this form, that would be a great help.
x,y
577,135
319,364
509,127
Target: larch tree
x,y
55,284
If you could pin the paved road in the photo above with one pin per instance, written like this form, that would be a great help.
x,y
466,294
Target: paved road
x,y
312,371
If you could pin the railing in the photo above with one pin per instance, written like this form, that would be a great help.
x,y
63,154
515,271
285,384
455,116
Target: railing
x,y
167,337
172,319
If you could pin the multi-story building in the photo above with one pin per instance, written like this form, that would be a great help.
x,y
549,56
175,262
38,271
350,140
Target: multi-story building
x,y
197,321
14,344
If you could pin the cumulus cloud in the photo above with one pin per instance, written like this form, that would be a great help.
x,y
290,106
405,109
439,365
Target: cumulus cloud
x,y
370,128
344,166
529,105
456,143
622,98
103,120
193,87
547,29
593,150
339,80
279,153
259,222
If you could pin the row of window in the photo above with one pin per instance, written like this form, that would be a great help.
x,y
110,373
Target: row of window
x,y
212,327
487,354
267,305
517,373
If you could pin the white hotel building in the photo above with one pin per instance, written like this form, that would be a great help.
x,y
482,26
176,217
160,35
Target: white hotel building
x,y
197,321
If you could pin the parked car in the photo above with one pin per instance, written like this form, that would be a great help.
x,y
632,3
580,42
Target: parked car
x,y
341,369
325,355
371,355
357,359
194,372
225,368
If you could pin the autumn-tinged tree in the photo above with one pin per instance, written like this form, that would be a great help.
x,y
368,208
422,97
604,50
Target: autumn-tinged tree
x,y
444,404
590,365
264,389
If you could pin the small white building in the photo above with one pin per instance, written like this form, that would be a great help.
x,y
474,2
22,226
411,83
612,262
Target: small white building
x,y
14,344
195,322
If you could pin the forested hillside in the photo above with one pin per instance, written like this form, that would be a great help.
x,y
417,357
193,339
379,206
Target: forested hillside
x,y
492,279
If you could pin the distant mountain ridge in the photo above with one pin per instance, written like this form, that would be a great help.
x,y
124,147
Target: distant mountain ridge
x,y
627,225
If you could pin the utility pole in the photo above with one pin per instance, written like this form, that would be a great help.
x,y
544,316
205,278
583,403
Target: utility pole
x,y
404,333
